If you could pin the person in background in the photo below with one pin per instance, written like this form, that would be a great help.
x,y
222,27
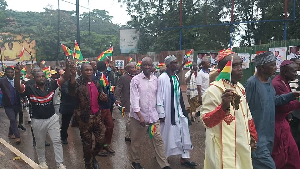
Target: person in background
x,y
94,65
122,93
203,78
56,98
11,102
10,54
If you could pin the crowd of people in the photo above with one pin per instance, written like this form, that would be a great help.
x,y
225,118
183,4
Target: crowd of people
x,y
246,127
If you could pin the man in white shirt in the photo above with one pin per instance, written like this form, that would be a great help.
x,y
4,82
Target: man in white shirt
x,y
203,78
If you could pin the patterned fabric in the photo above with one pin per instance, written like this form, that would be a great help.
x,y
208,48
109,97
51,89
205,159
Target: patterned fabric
x,y
264,58
192,85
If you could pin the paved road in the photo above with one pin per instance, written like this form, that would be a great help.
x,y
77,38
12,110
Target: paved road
x,y
73,154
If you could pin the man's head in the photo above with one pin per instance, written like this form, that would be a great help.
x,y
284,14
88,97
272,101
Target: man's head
x,y
147,66
297,61
288,70
10,45
237,71
276,53
194,67
94,65
265,63
39,77
205,63
9,72
87,71
130,68
171,63
101,66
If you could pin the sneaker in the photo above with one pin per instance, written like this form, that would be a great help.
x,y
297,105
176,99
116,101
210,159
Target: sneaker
x,y
20,126
136,165
61,166
108,149
18,141
43,165
103,153
128,139
11,136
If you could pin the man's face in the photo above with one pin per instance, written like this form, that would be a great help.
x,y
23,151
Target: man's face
x,y
87,72
94,65
173,66
131,69
298,63
237,71
276,53
10,46
291,72
269,69
206,64
195,67
40,78
9,74
147,67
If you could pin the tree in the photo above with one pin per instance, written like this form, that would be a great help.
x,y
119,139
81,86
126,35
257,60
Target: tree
x,y
3,6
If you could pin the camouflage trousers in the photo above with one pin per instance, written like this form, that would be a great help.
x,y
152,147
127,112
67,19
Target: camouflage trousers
x,y
96,127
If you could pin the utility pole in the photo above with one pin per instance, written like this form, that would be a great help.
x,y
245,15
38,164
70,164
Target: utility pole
x,y
77,17
58,29
180,33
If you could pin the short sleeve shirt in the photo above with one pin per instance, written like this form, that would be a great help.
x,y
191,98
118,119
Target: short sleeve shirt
x,y
203,80
41,101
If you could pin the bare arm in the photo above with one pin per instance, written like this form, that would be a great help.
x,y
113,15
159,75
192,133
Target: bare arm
x,y
66,75
20,88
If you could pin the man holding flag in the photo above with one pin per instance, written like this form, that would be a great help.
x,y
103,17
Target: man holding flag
x,y
230,130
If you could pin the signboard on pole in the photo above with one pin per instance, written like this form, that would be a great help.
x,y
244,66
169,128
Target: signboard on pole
x,y
128,40
120,64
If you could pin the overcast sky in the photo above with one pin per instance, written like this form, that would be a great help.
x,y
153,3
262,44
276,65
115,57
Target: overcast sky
x,y
112,6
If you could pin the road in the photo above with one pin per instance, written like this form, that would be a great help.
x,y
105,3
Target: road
x,y
73,155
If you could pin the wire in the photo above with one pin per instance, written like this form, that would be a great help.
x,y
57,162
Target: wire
x,y
75,4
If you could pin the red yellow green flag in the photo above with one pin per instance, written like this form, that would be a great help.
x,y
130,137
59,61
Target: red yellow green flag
x,y
226,72
188,64
103,81
152,130
112,88
43,62
188,53
22,52
106,53
47,72
77,53
130,59
67,51
139,64
122,110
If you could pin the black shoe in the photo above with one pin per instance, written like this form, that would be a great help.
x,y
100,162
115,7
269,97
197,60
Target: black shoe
x,y
189,164
47,144
127,139
95,164
64,141
34,143
29,122
21,127
136,165
167,167
103,153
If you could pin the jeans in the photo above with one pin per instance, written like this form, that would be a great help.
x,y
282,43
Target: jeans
x,y
65,122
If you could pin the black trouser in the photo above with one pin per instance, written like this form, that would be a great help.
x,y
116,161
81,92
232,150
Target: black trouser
x,y
12,112
65,122
21,115
295,127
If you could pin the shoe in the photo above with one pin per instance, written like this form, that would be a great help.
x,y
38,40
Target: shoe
x,y
47,144
167,167
136,165
108,149
64,141
128,139
103,153
61,166
29,122
11,136
34,143
43,165
95,164
18,141
189,164
20,126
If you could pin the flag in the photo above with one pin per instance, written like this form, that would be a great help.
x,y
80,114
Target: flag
x,y
112,88
157,67
152,130
161,64
77,52
130,59
43,62
122,110
22,52
139,64
4,66
106,53
1,74
47,72
103,80
226,72
188,64
24,70
67,51
188,53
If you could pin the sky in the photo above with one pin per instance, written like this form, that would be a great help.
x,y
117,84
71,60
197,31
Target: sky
x,y
114,8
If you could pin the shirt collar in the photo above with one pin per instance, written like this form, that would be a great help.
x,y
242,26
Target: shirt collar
x,y
205,71
144,77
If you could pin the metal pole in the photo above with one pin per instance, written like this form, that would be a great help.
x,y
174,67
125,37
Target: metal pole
x,y
180,33
77,17
231,26
58,29
89,18
285,22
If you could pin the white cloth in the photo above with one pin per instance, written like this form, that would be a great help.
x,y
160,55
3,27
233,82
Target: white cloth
x,y
203,80
192,85
292,55
176,137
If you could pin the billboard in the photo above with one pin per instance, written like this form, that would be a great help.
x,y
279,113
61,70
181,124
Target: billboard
x,y
11,46
128,40
280,53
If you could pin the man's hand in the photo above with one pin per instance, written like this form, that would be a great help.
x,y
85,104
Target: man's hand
x,y
103,96
18,68
117,102
73,68
142,121
253,144
200,99
296,94
227,97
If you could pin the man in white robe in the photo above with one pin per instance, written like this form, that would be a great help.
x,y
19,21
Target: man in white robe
x,y
172,114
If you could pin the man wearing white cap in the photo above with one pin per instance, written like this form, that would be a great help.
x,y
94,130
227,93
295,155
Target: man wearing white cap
x,y
172,114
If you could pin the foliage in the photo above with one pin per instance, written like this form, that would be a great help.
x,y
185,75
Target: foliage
x,y
3,6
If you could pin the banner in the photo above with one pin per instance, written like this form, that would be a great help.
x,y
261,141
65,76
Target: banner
x,y
293,52
119,64
280,53
246,59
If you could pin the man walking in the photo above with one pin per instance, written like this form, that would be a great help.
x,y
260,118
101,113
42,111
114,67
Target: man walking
x,y
143,89
87,113
122,93
171,111
44,118
11,102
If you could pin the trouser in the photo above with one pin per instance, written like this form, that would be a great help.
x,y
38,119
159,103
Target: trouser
x,y
40,129
295,128
20,115
65,122
12,112
96,127
127,132
137,132
109,124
